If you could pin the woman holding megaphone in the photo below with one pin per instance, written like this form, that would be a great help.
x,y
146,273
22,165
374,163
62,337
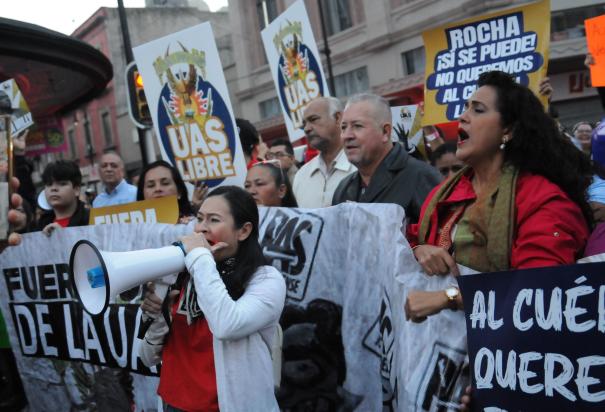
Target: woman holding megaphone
x,y
215,347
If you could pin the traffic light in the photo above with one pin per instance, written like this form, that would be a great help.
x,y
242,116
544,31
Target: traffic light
x,y
137,104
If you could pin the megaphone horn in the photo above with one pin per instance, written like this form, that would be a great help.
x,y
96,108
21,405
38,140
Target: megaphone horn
x,y
98,275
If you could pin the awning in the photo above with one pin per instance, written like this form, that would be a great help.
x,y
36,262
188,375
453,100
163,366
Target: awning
x,y
54,72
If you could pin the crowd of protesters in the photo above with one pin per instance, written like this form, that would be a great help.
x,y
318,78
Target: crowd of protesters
x,y
356,161
512,192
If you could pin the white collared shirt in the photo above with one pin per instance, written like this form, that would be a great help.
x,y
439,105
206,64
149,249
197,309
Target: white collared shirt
x,y
315,182
124,192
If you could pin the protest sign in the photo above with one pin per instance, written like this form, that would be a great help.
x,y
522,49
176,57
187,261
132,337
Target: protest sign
x,y
162,210
423,365
295,65
406,124
595,39
190,106
514,41
67,358
46,136
21,116
343,317
536,337
406,127
331,305
6,172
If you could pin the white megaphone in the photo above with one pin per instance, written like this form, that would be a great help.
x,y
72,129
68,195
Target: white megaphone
x,y
97,275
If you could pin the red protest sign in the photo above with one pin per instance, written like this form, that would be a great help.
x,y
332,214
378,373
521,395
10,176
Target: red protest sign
x,y
595,38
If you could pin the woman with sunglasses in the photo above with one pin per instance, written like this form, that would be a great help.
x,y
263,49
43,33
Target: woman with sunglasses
x,y
215,347
269,185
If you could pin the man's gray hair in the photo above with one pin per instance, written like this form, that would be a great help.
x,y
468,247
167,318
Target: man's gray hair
x,y
382,110
334,104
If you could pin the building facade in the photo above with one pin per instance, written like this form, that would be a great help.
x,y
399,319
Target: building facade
x,y
377,46
104,124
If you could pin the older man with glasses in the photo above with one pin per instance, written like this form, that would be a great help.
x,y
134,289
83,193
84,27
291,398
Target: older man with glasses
x,y
282,150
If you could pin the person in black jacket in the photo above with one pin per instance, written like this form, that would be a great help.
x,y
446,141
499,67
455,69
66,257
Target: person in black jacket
x,y
62,180
385,172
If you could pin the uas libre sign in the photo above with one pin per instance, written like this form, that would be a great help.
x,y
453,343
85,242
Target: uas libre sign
x,y
295,66
190,107
536,338
514,41
162,210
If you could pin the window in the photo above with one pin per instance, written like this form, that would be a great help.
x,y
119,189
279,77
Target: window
x,y
269,108
337,15
271,7
89,148
569,24
413,61
355,81
106,122
73,149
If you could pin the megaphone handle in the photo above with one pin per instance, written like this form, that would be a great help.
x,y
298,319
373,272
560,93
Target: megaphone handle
x,y
161,289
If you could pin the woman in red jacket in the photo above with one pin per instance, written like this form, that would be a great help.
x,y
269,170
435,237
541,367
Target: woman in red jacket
x,y
519,203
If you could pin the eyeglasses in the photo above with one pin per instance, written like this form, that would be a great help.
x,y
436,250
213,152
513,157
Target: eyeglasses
x,y
276,155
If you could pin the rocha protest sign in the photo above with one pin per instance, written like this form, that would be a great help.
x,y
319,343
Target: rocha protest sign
x,y
536,338
514,41
295,65
162,210
595,39
190,106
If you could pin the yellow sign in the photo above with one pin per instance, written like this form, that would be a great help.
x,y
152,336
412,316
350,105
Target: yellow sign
x,y
162,210
514,41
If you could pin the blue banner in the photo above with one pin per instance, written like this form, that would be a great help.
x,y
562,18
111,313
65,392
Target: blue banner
x,y
536,338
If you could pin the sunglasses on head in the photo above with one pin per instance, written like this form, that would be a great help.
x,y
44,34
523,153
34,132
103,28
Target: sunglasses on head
x,y
275,163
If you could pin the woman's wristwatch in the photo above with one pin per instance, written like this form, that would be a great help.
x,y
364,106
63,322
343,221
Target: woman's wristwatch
x,y
178,243
452,294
